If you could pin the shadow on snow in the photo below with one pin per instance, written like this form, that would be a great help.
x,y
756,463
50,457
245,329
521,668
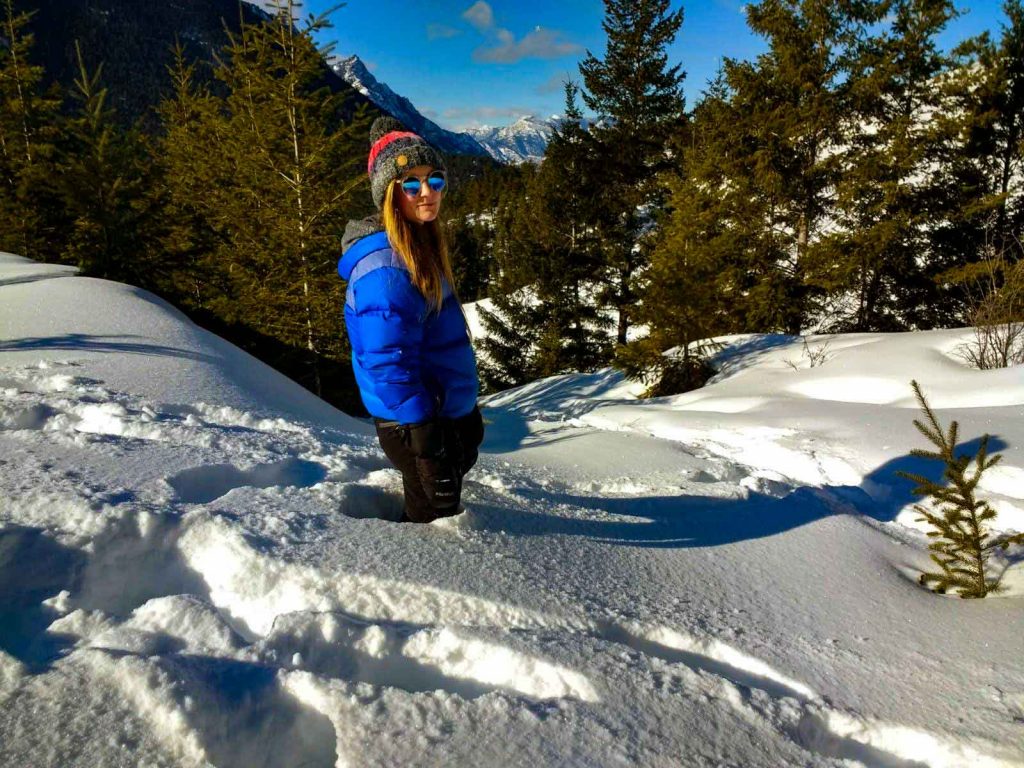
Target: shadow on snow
x,y
706,521
82,342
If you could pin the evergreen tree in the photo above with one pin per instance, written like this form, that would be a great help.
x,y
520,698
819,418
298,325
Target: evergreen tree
x,y
790,106
1008,130
514,324
104,174
469,210
191,244
546,319
889,182
469,238
567,254
696,285
965,202
29,125
962,543
639,100
983,124
268,175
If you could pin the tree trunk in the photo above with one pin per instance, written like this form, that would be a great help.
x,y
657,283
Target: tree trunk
x,y
299,179
1009,151
871,301
623,326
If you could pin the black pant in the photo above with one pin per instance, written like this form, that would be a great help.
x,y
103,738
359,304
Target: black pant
x,y
462,437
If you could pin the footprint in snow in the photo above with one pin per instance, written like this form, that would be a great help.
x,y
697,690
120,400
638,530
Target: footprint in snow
x,y
201,485
32,417
369,501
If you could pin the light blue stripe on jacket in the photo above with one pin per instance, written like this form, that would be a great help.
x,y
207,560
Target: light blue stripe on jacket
x,y
411,363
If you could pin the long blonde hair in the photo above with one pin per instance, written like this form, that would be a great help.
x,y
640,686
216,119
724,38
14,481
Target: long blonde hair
x,y
423,249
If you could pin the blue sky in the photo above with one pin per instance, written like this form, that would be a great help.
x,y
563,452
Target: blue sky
x,y
467,63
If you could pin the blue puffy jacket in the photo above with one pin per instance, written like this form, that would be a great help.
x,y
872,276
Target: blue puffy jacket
x,y
411,363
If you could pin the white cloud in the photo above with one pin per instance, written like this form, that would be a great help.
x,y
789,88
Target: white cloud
x,y
539,44
441,31
462,118
480,16
555,83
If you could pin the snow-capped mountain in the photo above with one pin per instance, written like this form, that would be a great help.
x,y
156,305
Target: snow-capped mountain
x,y
524,141
355,73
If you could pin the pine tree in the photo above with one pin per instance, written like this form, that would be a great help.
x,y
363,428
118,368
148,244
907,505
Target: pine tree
x,y
190,243
695,287
791,106
1002,98
966,201
468,214
546,319
514,324
30,217
888,185
962,544
103,178
983,127
564,196
468,239
469,209
268,174
639,100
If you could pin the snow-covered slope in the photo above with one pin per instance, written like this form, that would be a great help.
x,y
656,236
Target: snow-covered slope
x,y
525,140
355,73
193,571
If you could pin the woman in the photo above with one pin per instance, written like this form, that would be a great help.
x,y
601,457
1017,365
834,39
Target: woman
x,y
411,349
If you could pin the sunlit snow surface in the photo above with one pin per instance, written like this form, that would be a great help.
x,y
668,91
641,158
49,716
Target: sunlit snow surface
x,y
193,568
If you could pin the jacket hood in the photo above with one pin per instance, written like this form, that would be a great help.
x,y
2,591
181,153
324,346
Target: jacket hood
x,y
360,228
362,237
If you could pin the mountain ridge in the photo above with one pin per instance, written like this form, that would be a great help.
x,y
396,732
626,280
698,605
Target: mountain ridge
x,y
523,141
133,42
353,71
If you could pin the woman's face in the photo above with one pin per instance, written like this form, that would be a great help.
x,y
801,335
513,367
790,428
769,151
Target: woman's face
x,y
426,204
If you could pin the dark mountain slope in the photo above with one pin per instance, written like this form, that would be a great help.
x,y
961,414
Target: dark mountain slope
x,y
134,39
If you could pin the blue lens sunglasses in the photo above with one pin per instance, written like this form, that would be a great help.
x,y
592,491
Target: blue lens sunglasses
x,y
436,180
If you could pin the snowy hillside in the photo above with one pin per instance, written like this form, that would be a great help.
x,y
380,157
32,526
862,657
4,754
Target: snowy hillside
x,y
354,72
193,571
525,140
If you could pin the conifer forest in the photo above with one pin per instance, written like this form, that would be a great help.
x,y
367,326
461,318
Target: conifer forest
x,y
854,177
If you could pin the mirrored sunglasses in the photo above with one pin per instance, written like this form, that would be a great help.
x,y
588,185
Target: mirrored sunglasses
x,y
411,185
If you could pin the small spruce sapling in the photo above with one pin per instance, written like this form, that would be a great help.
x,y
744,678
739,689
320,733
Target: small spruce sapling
x,y
961,542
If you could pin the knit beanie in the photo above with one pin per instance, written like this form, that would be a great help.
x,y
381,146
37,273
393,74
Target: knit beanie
x,y
393,151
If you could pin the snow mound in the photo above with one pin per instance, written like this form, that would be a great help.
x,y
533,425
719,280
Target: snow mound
x,y
197,563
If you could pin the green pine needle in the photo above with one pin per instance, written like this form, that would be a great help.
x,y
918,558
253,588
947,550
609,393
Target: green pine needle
x,y
960,542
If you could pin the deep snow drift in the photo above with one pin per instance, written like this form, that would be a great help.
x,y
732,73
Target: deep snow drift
x,y
193,568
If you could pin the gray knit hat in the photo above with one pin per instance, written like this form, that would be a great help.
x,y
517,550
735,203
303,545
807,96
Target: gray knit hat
x,y
393,151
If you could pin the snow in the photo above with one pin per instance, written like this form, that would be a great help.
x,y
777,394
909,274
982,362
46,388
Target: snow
x,y
352,70
194,570
524,140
